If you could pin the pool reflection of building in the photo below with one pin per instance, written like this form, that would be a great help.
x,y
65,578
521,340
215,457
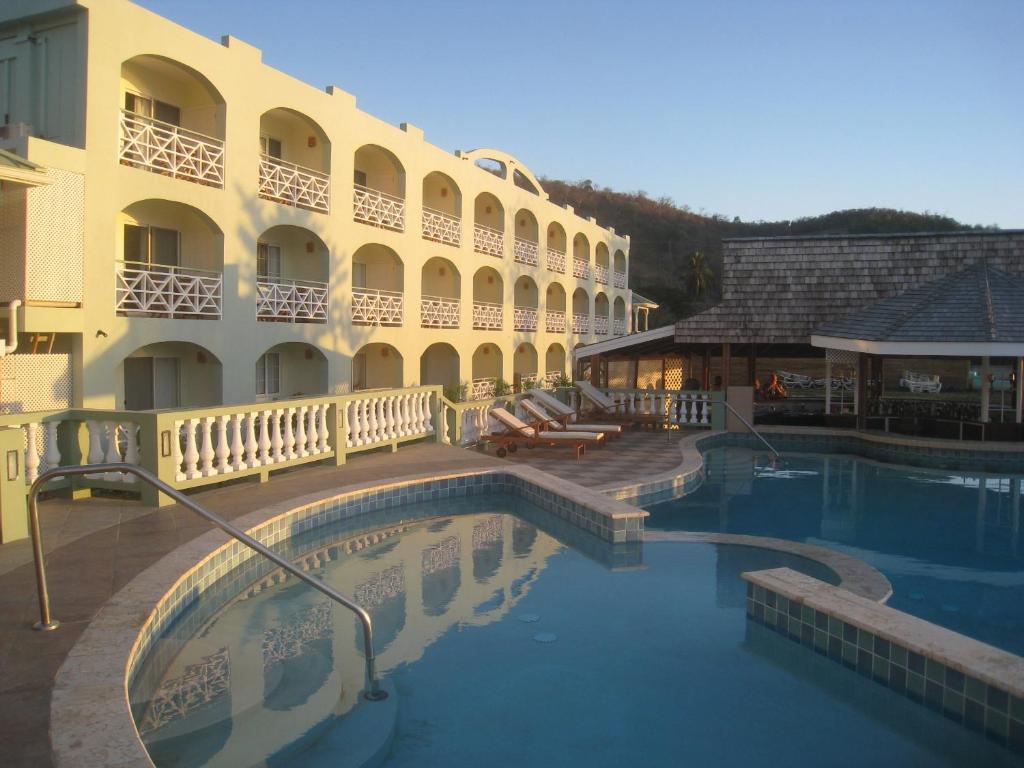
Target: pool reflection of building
x,y
295,660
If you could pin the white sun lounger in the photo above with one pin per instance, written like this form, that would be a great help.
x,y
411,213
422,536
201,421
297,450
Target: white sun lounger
x,y
608,408
518,433
556,424
552,403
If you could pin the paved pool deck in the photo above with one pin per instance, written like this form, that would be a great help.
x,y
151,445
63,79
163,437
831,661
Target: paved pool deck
x,y
96,546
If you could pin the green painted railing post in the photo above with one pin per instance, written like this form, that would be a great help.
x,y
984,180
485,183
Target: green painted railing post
x,y
157,436
337,417
13,509
77,453
438,416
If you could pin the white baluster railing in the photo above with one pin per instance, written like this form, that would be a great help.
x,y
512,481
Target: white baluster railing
x,y
383,418
441,227
291,184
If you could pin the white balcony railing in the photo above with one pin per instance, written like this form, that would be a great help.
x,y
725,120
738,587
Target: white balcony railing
x,y
371,306
554,321
291,300
620,328
528,381
581,269
482,388
486,316
552,377
169,149
489,241
601,274
155,290
619,279
292,184
439,312
556,260
525,319
441,227
371,206
601,325
526,251
580,323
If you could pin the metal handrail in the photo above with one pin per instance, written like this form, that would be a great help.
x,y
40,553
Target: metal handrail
x,y
749,426
47,622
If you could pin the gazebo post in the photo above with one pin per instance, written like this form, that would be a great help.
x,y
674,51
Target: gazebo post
x,y
860,393
828,385
1020,389
726,365
986,388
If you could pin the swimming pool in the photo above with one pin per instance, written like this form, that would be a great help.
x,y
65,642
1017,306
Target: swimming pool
x,y
503,646
950,543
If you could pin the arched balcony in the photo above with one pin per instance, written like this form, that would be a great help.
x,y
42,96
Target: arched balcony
x,y
378,196
581,257
619,267
524,368
488,300
378,282
487,370
172,261
556,248
554,315
619,327
525,308
377,366
442,286
488,225
580,312
172,121
526,247
171,374
439,365
442,209
554,364
289,370
602,266
295,161
292,268
602,314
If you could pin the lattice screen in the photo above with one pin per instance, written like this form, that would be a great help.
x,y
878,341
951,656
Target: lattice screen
x,y
12,244
620,374
648,375
56,238
675,372
35,383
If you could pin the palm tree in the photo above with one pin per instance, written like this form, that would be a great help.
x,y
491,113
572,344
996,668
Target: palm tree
x,y
701,275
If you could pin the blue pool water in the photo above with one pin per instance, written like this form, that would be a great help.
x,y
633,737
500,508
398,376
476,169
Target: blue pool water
x,y
950,543
504,646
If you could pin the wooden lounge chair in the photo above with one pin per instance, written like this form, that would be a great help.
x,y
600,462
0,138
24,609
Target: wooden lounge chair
x,y
606,408
920,382
516,433
553,405
553,423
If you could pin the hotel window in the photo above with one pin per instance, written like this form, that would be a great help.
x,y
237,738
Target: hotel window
x,y
147,107
270,147
152,245
268,375
268,261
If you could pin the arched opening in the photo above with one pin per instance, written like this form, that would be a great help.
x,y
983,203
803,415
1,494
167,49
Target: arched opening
x,y
378,281
581,256
521,180
525,305
525,248
488,298
292,369
292,268
580,311
377,366
168,104
441,289
295,160
172,261
554,316
442,209
492,166
556,247
619,316
488,225
379,188
602,314
554,364
439,364
487,371
602,264
524,367
619,265
170,374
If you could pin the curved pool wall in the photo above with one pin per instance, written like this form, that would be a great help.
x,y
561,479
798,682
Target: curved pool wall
x,y
91,719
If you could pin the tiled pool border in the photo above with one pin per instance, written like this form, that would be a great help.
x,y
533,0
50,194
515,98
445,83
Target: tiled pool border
x,y
971,683
91,721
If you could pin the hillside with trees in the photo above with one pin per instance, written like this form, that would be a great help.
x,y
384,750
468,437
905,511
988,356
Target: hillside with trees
x,y
676,254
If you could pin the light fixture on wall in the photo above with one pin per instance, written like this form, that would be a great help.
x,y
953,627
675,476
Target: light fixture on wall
x,y
311,142
384,352
101,333
307,353
442,271
310,246
201,358
444,191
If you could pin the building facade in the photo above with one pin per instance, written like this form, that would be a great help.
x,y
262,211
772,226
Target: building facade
x,y
219,232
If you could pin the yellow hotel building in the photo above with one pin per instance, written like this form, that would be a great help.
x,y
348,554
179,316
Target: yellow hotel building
x,y
203,229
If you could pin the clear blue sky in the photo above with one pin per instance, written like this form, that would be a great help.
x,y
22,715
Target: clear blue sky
x,y
763,110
